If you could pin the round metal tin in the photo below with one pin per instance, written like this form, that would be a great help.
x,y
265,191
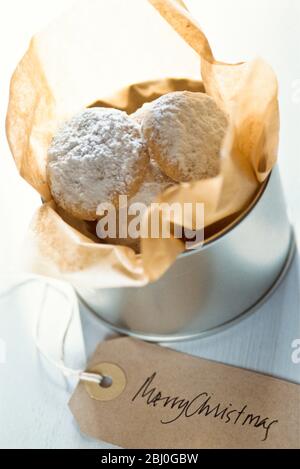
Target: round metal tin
x,y
209,288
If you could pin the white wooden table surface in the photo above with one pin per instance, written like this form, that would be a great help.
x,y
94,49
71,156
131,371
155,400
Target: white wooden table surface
x,y
33,397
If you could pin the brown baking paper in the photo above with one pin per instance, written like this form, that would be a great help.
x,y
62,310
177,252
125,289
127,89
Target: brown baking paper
x,y
172,400
93,56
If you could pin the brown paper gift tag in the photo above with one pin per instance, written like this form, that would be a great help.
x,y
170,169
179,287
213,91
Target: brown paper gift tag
x,y
160,398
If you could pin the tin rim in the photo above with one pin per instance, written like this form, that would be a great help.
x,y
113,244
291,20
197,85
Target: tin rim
x,y
236,222
172,338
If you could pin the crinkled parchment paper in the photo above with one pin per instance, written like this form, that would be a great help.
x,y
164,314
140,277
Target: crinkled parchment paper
x,y
117,53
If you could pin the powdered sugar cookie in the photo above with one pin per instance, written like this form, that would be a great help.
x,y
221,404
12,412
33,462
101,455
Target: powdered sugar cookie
x,y
141,113
154,184
95,157
184,132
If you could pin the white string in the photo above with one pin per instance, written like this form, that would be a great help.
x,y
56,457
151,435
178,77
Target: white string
x,y
73,302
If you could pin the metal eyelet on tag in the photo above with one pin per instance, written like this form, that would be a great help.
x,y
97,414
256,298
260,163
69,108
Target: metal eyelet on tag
x,y
112,384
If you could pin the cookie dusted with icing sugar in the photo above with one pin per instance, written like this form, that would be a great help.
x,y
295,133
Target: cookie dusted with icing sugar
x,y
94,158
184,132
154,184
141,113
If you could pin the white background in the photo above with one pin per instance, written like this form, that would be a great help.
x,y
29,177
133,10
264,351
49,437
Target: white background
x,y
238,30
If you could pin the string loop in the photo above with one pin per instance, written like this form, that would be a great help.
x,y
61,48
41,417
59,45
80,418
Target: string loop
x,y
71,298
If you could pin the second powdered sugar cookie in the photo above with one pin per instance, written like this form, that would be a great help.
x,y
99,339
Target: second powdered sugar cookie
x,y
184,132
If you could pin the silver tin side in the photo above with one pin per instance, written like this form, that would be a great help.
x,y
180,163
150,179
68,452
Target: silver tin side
x,y
210,287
